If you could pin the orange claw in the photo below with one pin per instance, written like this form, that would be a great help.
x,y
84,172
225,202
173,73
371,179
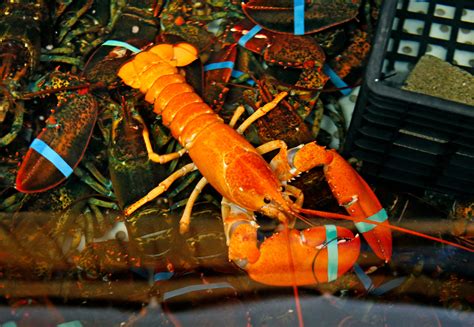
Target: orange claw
x,y
293,257
352,192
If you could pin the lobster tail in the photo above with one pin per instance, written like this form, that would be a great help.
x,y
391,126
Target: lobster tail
x,y
160,60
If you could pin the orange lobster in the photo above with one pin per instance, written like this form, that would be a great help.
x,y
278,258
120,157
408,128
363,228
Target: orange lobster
x,y
248,183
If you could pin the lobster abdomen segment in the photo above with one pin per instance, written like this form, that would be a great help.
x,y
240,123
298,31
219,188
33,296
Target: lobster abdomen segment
x,y
154,72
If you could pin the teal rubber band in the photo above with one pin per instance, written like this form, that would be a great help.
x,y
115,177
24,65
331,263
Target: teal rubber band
x,y
73,323
298,16
250,34
219,65
9,324
388,286
195,288
52,156
331,240
379,217
116,43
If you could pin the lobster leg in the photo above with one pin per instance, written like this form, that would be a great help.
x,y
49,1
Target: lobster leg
x,y
16,126
186,217
297,193
152,155
260,112
93,183
291,257
107,183
237,114
350,190
161,188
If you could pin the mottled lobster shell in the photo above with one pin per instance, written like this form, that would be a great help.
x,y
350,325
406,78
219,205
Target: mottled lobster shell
x,y
279,16
76,119
294,51
215,80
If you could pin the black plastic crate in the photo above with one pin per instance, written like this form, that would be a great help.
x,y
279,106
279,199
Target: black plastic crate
x,y
407,137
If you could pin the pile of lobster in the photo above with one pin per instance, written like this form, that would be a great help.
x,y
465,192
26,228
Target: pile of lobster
x,y
176,78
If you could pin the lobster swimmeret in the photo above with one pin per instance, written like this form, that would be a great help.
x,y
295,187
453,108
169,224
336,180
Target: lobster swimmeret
x,y
248,183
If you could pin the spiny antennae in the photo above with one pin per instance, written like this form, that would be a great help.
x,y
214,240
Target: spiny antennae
x,y
397,228
302,218
322,214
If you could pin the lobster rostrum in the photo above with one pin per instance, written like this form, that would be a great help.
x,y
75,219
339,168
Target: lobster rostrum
x,y
248,183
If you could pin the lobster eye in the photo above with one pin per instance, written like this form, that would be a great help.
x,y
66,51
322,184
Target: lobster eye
x,y
266,200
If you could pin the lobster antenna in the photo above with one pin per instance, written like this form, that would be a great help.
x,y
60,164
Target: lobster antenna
x,y
293,269
397,228
322,214
30,95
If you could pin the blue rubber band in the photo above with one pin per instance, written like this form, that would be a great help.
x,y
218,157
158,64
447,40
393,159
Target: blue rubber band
x,y
331,239
336,80
219,65
51,155
365,280
165,275
250,34
237,73
195,288
116,43
369,286
379,217
388,286
298,14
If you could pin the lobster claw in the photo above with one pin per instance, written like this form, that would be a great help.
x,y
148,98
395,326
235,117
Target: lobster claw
x,y
59,148
300,17
290,257
316,255
217,72
350,191
275,46
369,207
